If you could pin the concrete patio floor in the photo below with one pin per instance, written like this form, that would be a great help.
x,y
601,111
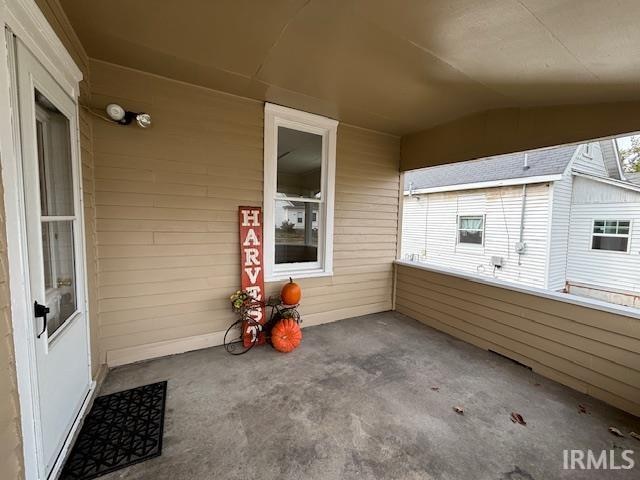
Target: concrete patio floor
x,y
355,402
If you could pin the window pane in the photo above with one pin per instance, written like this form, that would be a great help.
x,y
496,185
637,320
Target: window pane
x,y
296,232
617,244
471,223
59,272
299,163
54,159
467,236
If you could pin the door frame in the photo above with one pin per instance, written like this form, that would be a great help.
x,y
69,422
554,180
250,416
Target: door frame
x,y
24,19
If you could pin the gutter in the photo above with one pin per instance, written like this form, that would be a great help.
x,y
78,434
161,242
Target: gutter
x,y
488,184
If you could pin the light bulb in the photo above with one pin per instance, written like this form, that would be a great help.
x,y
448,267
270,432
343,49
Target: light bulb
x,y
143,119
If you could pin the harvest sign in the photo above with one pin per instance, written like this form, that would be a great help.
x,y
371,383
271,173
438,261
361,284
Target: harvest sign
x,y
252,272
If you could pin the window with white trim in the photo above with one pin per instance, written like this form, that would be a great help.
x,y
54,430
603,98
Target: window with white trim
x,y
299,176
612,235
471,229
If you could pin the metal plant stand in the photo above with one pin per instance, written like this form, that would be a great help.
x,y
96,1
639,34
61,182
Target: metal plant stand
x,y
233,337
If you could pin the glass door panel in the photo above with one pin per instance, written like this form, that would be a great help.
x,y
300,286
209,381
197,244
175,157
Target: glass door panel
x,y
57,214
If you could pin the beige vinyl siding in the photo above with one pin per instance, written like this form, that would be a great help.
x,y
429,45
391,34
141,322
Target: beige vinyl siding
x,y
167,200
11,458
590,350
89,204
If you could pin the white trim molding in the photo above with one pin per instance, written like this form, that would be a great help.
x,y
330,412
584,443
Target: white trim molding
x,y
488,184
28,23
610,181
276,116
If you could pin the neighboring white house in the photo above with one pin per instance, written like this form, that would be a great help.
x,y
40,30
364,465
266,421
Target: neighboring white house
x,y
290,211
562,218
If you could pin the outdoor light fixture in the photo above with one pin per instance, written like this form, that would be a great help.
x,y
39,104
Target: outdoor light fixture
x,y
125,117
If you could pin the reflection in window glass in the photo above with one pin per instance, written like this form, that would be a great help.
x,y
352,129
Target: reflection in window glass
x,y
612,235
57,208
470,230
299,163
59,265
296,237
54,159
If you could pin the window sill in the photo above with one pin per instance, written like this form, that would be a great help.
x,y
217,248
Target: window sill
x,y
280,276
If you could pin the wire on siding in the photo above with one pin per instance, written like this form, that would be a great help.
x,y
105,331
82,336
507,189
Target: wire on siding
x,y
506,225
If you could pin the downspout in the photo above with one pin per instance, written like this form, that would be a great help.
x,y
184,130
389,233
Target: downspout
x,y
616,151
520,248
520,240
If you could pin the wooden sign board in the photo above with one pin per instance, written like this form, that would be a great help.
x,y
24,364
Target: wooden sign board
x,y
252,269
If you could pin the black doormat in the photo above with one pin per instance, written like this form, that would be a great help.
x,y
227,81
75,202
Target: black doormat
x,y
121,429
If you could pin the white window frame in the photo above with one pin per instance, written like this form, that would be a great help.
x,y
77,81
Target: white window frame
x,y
468,244
618,235
277,116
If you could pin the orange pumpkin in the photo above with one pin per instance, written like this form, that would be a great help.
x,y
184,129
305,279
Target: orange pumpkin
x,y
291,293
286,335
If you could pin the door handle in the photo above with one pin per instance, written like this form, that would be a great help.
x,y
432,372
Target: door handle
x,y
41,311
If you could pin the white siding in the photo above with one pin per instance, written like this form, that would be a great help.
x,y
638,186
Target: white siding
x,y
414,225
596,200
587,191
590,161
559,239
502,207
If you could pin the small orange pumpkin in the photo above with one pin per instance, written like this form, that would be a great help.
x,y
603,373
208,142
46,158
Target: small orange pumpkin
x,y
286,335
291,293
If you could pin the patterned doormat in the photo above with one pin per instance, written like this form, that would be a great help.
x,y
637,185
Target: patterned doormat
x,y
121,429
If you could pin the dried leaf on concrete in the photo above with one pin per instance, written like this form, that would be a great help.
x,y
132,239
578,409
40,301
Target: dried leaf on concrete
x,y
435,389
458,410
616,432
583,409
517,418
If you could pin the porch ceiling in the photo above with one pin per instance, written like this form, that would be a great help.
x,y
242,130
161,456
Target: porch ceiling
x,y
398,66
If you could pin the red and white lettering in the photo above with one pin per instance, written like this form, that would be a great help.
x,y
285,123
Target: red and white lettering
x,y
252,274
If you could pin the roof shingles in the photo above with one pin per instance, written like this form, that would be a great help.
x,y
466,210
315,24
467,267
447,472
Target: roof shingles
x,y
548,161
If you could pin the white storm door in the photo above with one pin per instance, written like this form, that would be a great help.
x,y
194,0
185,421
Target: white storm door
x,y
53,219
